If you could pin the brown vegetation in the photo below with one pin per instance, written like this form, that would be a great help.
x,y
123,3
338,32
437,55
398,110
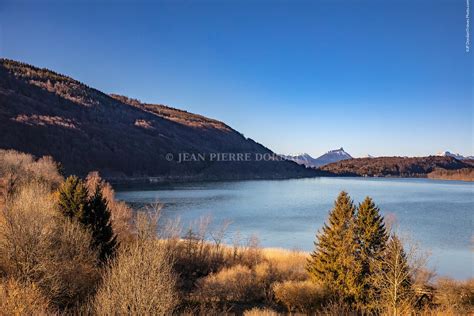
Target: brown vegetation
x,y
38,246
302,296
464,174
48,265
397,166
140,281
22,299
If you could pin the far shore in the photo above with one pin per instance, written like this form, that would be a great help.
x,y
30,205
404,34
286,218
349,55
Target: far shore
x,y
126,182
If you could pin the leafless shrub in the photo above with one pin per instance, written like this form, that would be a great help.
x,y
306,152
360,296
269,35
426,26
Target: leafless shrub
x,y
139,282
146,222
302,296
337,307
23,223
457,295
394,277
17,169
207,309
22,299
37,246
260,312
68,268
194,255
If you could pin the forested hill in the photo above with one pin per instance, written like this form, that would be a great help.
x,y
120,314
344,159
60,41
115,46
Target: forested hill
x,y
46,113
398,166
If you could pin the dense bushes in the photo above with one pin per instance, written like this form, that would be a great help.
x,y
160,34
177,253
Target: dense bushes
x,y
303,296
234,284
36,245
18,169
139,282
22,299
457,295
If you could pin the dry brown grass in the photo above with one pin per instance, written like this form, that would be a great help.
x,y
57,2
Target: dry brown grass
x,y
249,276
237,283
21,299
464,174
289,264
260,312
302,296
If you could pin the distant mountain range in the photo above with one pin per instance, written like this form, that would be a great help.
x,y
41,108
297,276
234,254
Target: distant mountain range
x,y
457,156
441,166
46,113
339,155
329,157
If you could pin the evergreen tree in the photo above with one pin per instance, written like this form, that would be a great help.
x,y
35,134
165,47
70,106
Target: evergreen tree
x,y
97,219
334,262
91,211
72,198
372,238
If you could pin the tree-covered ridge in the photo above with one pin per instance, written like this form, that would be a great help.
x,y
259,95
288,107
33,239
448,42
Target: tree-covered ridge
x,y
395,166
176,115
45,113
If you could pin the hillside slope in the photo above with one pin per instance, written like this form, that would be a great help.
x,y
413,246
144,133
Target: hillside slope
x,y
395,166
45,113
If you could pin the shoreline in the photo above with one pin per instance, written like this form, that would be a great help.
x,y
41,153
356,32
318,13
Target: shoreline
x,y
131,182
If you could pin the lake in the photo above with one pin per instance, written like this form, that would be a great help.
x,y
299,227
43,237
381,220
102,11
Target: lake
x,y
287,213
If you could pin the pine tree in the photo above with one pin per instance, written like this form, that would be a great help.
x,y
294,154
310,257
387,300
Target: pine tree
x,y
97,219
91,211
372,239
72,198
334,262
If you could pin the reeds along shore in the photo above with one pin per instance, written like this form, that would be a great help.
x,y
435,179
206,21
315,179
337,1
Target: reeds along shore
x,y
51,263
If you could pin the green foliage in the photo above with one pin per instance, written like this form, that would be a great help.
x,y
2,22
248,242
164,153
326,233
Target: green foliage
x,y
349,251
334,261
90,210
72,199
97,218
372,238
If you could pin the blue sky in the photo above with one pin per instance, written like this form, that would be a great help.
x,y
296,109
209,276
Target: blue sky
x,y
376,77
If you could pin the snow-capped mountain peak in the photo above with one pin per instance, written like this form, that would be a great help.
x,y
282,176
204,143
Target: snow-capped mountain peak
x,y
329,157
450,154
338,152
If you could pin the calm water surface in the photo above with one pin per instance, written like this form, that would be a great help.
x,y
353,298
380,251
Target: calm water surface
x,y
287,213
